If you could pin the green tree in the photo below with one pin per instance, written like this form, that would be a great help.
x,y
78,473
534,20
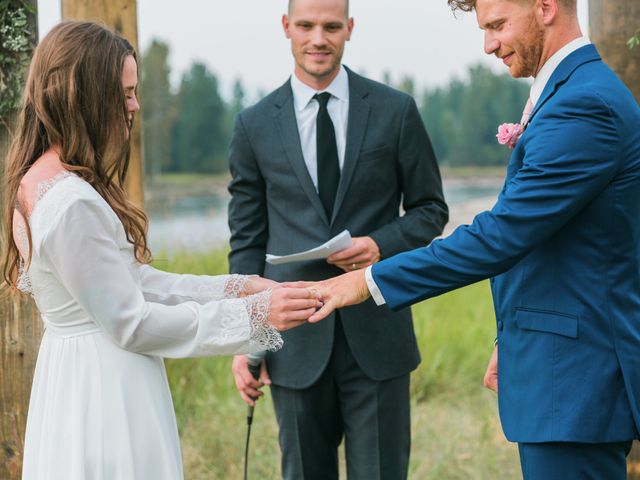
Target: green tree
x,y
236,105
462,119
238,97
407,85
17,37
157,112
199,139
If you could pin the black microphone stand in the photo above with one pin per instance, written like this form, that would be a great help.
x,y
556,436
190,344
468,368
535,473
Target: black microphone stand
x,y
255,372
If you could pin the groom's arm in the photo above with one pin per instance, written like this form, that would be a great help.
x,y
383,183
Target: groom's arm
x,y
563,169
426,212
247,207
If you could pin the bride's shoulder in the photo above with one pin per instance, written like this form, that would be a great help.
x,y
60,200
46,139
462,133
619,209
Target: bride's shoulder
x,y
48,189
44,174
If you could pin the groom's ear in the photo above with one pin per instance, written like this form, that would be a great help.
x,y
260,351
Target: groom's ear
x,y
549,11
285,25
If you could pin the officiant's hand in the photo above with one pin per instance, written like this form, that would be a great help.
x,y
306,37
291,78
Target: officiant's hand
x,y
248,387
491,375
363,252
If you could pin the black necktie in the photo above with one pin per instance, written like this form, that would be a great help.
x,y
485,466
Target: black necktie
x,y
327,155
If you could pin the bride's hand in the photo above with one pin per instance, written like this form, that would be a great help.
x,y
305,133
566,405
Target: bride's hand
x,y
291,307
256,284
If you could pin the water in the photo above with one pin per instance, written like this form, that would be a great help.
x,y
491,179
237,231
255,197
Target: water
x,y
200,223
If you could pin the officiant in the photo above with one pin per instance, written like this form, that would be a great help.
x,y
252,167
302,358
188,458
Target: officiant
x,y
330,151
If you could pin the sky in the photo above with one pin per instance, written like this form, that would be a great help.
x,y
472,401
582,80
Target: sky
x,y
244,39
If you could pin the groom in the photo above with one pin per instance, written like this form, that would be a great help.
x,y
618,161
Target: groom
x,y
562,248
327,151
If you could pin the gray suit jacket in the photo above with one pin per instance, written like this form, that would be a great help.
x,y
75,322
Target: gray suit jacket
x,y
274,208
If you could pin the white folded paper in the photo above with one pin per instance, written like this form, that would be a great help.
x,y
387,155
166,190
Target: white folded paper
x,y
337,243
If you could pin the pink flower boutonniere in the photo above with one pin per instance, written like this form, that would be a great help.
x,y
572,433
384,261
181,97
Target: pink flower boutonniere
x,y
509,134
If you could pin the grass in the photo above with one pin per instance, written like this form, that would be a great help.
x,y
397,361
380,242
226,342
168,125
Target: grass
x,y
455,428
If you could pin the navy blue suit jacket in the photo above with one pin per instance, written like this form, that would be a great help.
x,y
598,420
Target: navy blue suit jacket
x,y
562,243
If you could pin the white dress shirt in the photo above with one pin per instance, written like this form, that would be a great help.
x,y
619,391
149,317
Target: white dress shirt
x,y
535,93
306,109
550,66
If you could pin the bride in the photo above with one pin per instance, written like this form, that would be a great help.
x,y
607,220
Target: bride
x,y
100,405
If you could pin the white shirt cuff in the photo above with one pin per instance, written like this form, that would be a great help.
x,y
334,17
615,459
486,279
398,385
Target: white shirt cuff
x,y
373,288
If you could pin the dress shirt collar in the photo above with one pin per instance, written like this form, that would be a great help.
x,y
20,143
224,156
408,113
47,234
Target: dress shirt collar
x,y
550,65
302,93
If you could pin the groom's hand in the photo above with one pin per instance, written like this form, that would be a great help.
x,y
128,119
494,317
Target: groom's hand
x,y
491,375
364,251
342,291
249,387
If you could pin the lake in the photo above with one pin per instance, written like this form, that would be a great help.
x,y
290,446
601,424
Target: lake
x,y
199,223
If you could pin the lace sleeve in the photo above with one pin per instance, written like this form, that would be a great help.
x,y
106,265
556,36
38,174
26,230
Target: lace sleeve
x,y
234,285
264,336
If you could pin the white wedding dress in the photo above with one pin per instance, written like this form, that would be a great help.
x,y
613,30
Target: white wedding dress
x,y
100,405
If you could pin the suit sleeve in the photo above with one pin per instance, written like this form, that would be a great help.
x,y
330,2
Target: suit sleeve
x,y
247,207
570,160
426,212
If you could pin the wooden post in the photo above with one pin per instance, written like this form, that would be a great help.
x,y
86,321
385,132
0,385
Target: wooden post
x,y
611,24
20,334
121,16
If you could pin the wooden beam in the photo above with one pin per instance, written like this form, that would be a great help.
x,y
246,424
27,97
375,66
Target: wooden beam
x,y
20,333
611,24
121,16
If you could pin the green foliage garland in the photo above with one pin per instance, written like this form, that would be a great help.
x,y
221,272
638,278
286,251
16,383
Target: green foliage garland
x,y
634,41
15,52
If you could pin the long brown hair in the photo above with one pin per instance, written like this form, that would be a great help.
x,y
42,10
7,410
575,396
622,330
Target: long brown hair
x,y
74,100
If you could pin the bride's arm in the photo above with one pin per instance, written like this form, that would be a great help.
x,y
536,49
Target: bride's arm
x,y
172,288
80,249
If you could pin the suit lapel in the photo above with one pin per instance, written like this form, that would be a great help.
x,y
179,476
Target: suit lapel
x,y
560,76
583,55
356,127
285,119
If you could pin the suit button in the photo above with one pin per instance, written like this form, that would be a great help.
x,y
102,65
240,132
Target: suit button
x,y
500,325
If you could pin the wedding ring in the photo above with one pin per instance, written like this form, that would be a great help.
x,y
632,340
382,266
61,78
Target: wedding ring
x,y
354,266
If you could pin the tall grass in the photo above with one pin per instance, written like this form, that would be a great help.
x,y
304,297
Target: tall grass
x,y
455,428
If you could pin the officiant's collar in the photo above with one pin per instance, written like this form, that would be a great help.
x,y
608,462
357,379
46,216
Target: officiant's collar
x,y
302,94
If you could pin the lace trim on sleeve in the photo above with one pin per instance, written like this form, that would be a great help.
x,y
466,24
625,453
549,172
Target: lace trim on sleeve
x,y
221,287
234,286
264,336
